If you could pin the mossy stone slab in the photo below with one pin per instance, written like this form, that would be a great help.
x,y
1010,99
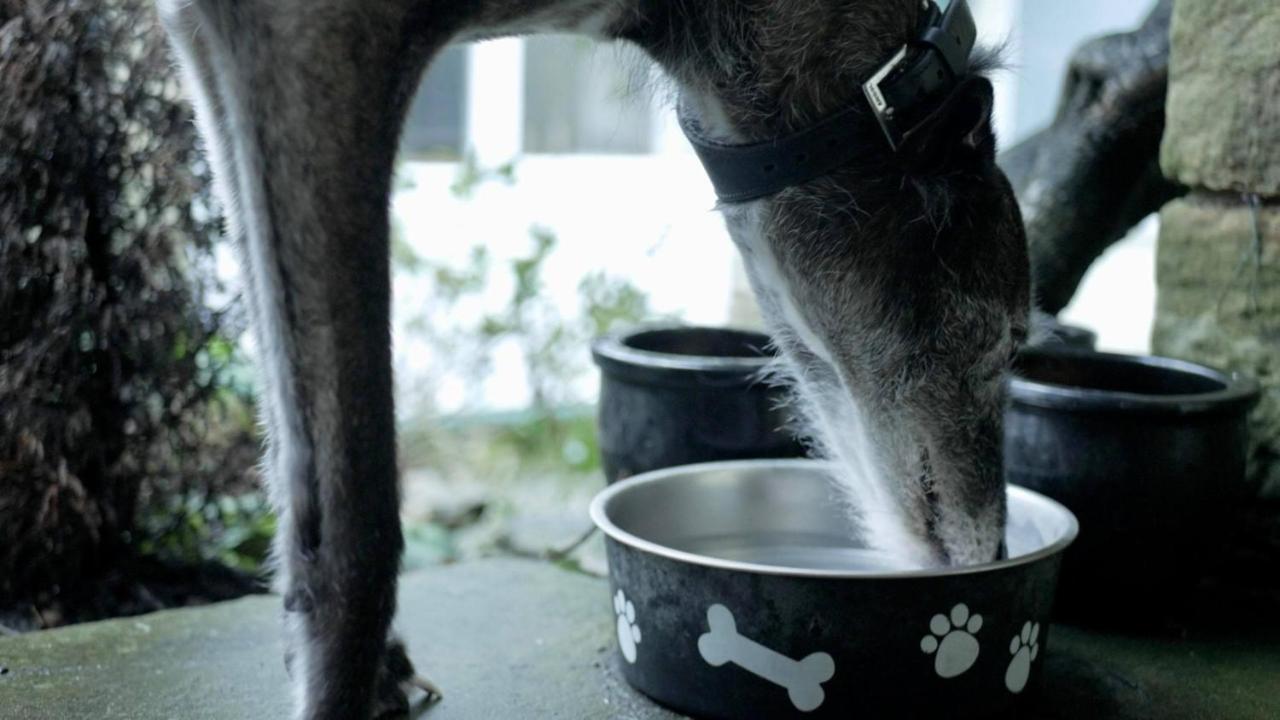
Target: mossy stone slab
x,y
504,638
523,639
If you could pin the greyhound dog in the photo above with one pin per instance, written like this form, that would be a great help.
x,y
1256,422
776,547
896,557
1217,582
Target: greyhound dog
x,y
887,254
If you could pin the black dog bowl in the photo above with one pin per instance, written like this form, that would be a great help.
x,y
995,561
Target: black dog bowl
x,y
1148,452
739,592
678,395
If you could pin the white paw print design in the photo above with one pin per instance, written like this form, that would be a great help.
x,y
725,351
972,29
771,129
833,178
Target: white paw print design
x,y
955,648
628,631
1023,648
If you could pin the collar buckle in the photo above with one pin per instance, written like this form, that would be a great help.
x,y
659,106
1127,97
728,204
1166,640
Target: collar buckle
x,y
880,107
909,80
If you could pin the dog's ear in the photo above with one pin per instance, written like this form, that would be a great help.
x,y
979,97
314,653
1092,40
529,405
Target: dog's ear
x,y
961,126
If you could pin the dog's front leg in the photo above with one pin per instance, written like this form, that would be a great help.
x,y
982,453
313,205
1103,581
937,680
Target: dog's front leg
x,y
300,104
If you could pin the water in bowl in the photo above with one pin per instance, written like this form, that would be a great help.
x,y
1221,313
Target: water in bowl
x,y
1026,533
802,550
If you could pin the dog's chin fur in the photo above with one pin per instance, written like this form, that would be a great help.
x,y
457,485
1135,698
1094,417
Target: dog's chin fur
x,y
824,410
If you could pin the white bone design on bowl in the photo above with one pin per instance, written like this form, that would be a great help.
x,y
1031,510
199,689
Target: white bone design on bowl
x,y
802,678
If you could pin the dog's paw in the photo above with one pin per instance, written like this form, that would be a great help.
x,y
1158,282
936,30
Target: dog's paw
x,y
397,683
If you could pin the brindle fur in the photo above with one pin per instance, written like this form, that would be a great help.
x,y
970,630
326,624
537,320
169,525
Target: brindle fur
x,y
897,286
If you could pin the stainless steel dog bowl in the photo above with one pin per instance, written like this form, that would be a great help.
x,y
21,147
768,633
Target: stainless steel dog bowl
x,y
739,592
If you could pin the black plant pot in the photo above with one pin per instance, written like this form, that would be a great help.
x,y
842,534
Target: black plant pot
x,y
1148,452
678,395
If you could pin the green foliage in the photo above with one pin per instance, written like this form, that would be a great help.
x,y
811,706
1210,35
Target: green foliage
x,y
403,256
554,433
428,543
452,284
525,470
610,303
235,530
120,388
471,175
492,443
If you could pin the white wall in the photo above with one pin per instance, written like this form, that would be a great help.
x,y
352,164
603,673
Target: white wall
x,y
650,217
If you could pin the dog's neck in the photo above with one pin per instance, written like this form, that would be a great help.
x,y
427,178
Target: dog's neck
x,y
895,285
751,71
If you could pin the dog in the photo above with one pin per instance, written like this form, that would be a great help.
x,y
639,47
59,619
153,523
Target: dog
x,y
886,251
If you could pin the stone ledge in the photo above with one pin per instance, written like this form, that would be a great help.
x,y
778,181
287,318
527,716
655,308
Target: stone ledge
x,y
521,639
1206,259
1218,306
503,638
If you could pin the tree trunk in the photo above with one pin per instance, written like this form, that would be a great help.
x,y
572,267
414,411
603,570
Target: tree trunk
x,y
1094,172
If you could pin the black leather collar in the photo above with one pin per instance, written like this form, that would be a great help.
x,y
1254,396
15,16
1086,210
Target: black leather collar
x,y
901,95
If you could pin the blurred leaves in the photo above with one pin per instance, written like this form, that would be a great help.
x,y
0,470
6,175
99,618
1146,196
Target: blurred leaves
x,y
235,530
552,342
120,386
471,175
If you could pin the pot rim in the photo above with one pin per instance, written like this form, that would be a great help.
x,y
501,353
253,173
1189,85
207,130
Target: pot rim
x,y
612,352
600,516
1238,391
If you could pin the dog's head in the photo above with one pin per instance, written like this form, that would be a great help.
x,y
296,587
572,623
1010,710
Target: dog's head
x,y
897,284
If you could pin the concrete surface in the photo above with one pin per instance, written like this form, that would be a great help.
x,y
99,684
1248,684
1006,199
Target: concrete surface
x,y
503,638
511,638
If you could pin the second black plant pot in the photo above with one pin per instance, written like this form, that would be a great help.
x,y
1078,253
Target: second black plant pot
x,y
674,395
1148,452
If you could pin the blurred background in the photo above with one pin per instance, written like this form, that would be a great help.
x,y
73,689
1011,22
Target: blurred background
x,y
545,195
558,162
595,158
